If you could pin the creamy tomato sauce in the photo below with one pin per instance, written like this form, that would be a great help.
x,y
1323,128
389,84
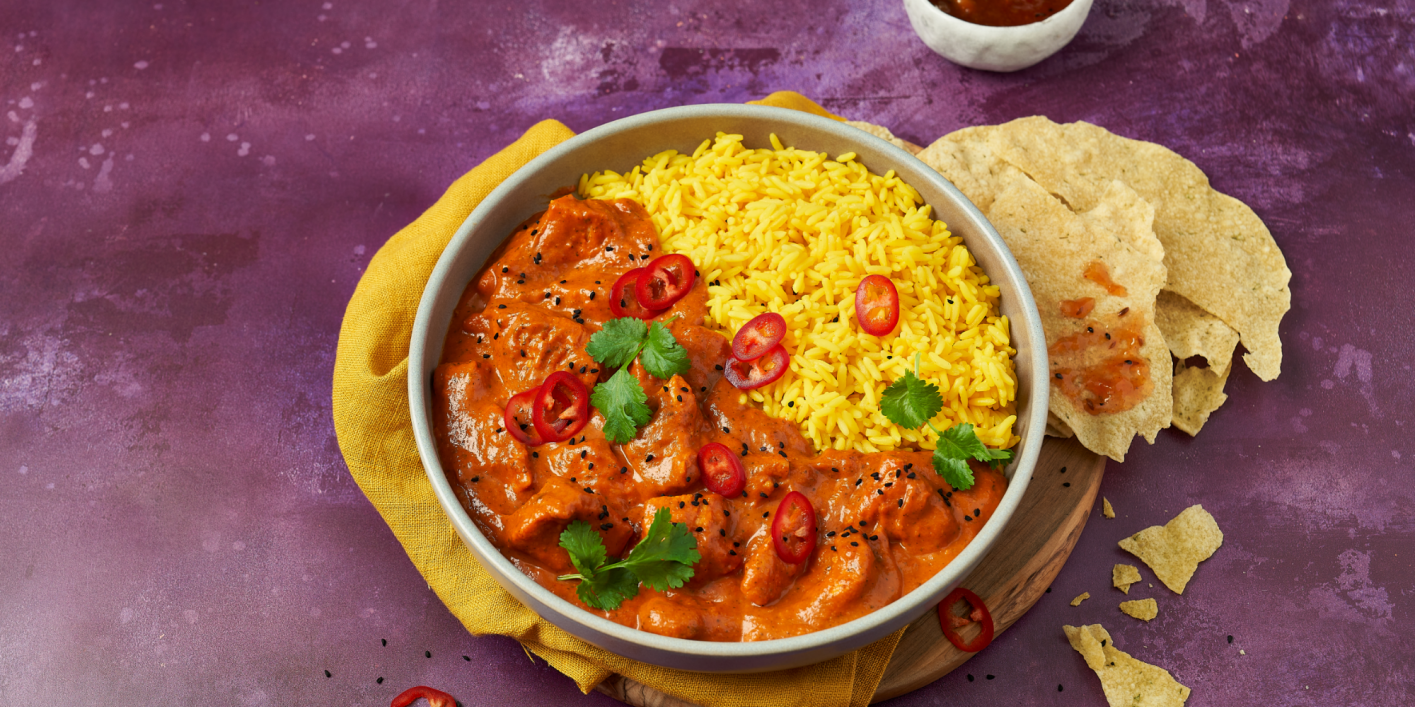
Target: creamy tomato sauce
x,y
886,522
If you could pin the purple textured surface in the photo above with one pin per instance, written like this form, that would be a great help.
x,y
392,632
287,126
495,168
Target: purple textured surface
x,y
190,191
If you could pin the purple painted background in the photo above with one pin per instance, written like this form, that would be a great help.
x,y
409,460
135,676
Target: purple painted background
x,y
189,192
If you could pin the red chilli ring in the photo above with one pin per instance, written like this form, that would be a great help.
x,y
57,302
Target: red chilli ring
x,y
950,622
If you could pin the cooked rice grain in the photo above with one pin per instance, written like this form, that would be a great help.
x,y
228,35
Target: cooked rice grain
x,y
793,232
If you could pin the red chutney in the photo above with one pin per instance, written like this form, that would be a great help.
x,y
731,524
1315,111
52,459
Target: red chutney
x,y
885,522
1002,13
1097,272
1099,367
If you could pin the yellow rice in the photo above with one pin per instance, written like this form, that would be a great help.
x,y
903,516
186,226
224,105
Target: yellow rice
x,y
793,232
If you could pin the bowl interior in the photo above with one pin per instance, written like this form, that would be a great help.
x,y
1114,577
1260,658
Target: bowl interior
x,y
620,146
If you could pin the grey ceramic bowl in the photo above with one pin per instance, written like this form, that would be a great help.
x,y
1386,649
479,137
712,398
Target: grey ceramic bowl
x,y
619,146
995,48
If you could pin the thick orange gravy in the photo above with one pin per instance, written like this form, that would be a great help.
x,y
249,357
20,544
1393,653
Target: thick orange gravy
x,y
886,521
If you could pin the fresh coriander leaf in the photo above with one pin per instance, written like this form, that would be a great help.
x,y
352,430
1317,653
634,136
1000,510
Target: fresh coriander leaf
x,y
954,471
586,548
622,401
961,442
666,555
608,589
618,342
910,402
958,444
662,356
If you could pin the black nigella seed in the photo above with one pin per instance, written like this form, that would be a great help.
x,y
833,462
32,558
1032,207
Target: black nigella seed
x,y
990,677
605,526
763,495
1067,484
648,458
722,532
474,480
467,658
1063,470
536,455
682,504
911,474
328,674
698,529
557,300
783,454
505,269
766,515
427,654
854,544
879,491
970,675
591,296
977,513
901,503
486,355
830,534
379,681
791,403
726,513
1090,330
385,641
582,369
680,398
717,366
1230,639
732,552
1059,688
1048,590
967,518
501,306
725,430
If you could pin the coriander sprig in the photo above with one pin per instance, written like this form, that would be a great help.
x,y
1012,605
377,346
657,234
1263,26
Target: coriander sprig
x,y
663,559
912,402
621,399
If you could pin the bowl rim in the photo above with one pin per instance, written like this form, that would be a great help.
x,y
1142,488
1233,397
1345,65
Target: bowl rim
x,y
960,24
907,606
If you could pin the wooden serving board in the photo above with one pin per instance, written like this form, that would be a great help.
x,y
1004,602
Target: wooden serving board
x,y
1010,580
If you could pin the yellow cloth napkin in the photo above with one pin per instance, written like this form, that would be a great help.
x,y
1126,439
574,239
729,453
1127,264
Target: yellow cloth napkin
x,y
375,432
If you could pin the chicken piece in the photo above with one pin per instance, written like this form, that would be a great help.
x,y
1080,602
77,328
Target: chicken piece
x,y
852,580
766,473
901,492
665,452
765,576
679,619
534,528
708,351
753,427
527,345
709,520
471,440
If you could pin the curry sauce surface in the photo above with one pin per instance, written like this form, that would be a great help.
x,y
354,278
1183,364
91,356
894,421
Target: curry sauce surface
x,y
886,521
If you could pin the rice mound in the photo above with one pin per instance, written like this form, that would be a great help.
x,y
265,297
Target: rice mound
x,y
793,232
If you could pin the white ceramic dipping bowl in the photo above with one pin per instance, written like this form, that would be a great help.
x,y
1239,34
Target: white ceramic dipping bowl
x,y
619,146
995,48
